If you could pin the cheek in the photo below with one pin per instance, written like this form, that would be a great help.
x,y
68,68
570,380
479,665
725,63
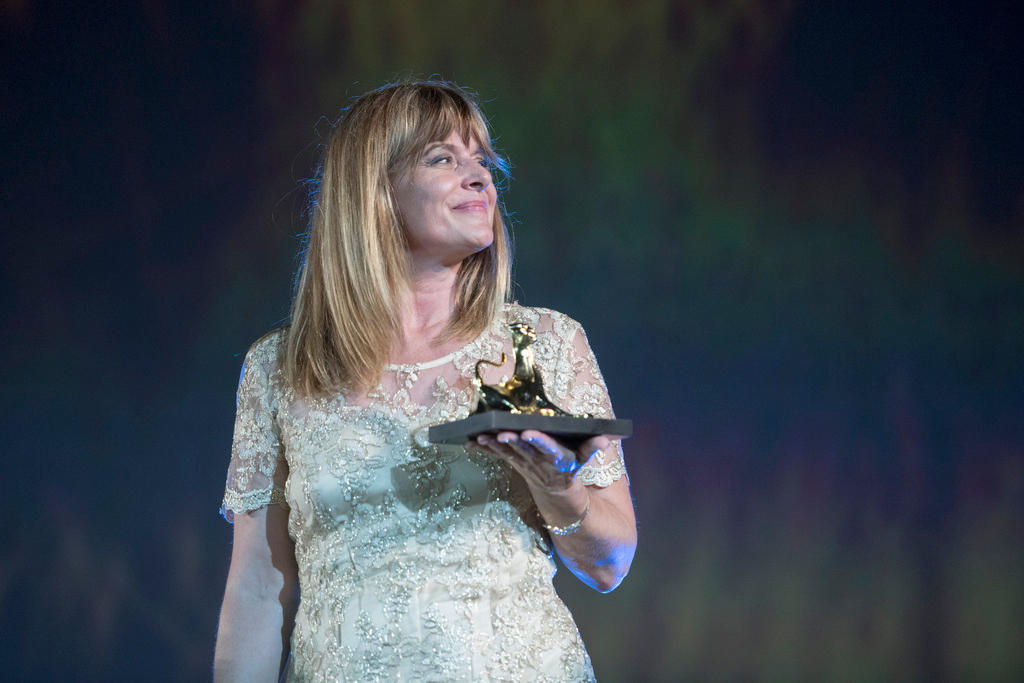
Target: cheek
x,y
492,199
421,208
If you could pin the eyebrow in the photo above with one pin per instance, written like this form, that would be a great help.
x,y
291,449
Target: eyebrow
x,y
450,147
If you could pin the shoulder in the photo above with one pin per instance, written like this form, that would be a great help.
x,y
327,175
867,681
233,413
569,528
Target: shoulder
x,y
543,320
264,352
554,329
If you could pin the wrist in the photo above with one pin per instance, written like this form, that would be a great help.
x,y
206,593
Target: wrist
x,y
563,509
571,527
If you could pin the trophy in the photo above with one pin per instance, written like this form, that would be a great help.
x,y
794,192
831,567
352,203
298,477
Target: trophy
x,y
520,403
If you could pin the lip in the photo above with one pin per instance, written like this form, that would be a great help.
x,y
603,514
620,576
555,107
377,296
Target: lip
x,y
475,205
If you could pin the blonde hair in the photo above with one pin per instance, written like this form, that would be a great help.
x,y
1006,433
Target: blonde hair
x,y
344,316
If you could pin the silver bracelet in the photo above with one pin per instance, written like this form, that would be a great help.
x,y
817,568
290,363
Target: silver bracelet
x,y
570,528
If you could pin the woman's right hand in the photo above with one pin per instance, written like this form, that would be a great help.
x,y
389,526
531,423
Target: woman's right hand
x,y
260,600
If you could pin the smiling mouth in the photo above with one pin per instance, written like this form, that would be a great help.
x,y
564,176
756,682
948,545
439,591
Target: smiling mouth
x,y
470,206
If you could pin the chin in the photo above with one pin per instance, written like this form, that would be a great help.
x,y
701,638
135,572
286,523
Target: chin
x,y
471,249
485,243
480,239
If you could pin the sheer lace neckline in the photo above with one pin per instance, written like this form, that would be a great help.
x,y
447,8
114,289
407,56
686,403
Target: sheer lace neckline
x,y
427,364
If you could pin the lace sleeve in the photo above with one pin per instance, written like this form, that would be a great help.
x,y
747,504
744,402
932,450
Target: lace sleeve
x,y
580,388
257,471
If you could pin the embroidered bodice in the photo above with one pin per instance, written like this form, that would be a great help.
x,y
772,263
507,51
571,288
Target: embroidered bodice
x,y
416,561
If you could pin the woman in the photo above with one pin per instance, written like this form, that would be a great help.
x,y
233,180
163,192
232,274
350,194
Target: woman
x,y
415,561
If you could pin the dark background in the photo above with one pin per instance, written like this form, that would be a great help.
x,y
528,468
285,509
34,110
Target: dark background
x,y
793,231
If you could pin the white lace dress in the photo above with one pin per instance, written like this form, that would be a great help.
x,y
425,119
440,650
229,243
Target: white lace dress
x,y
416,562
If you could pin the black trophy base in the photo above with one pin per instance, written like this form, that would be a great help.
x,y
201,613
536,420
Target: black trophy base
x,y
571,432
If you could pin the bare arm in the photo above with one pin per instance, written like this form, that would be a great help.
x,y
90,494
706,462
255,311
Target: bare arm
x,y
260,600
600,551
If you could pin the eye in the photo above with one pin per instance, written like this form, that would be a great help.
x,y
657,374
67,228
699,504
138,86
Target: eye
x,y
486,162
440,160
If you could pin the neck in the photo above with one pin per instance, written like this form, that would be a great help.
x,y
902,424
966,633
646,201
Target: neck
x,y
429,304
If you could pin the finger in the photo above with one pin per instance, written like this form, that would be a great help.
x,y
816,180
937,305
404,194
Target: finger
x,y
546,460
595,443
542,447
520,446
487,440
591,447
544,469
527,454
563,457
551,452
543,442
474,447
483,443
499,448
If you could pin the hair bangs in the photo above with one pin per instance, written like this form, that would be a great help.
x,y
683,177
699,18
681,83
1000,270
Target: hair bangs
x,y
432,114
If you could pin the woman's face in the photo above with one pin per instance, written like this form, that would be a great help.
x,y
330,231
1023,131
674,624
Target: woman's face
x,y
447,202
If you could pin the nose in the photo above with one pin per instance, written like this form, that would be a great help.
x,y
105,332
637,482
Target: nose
x,y
476,177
